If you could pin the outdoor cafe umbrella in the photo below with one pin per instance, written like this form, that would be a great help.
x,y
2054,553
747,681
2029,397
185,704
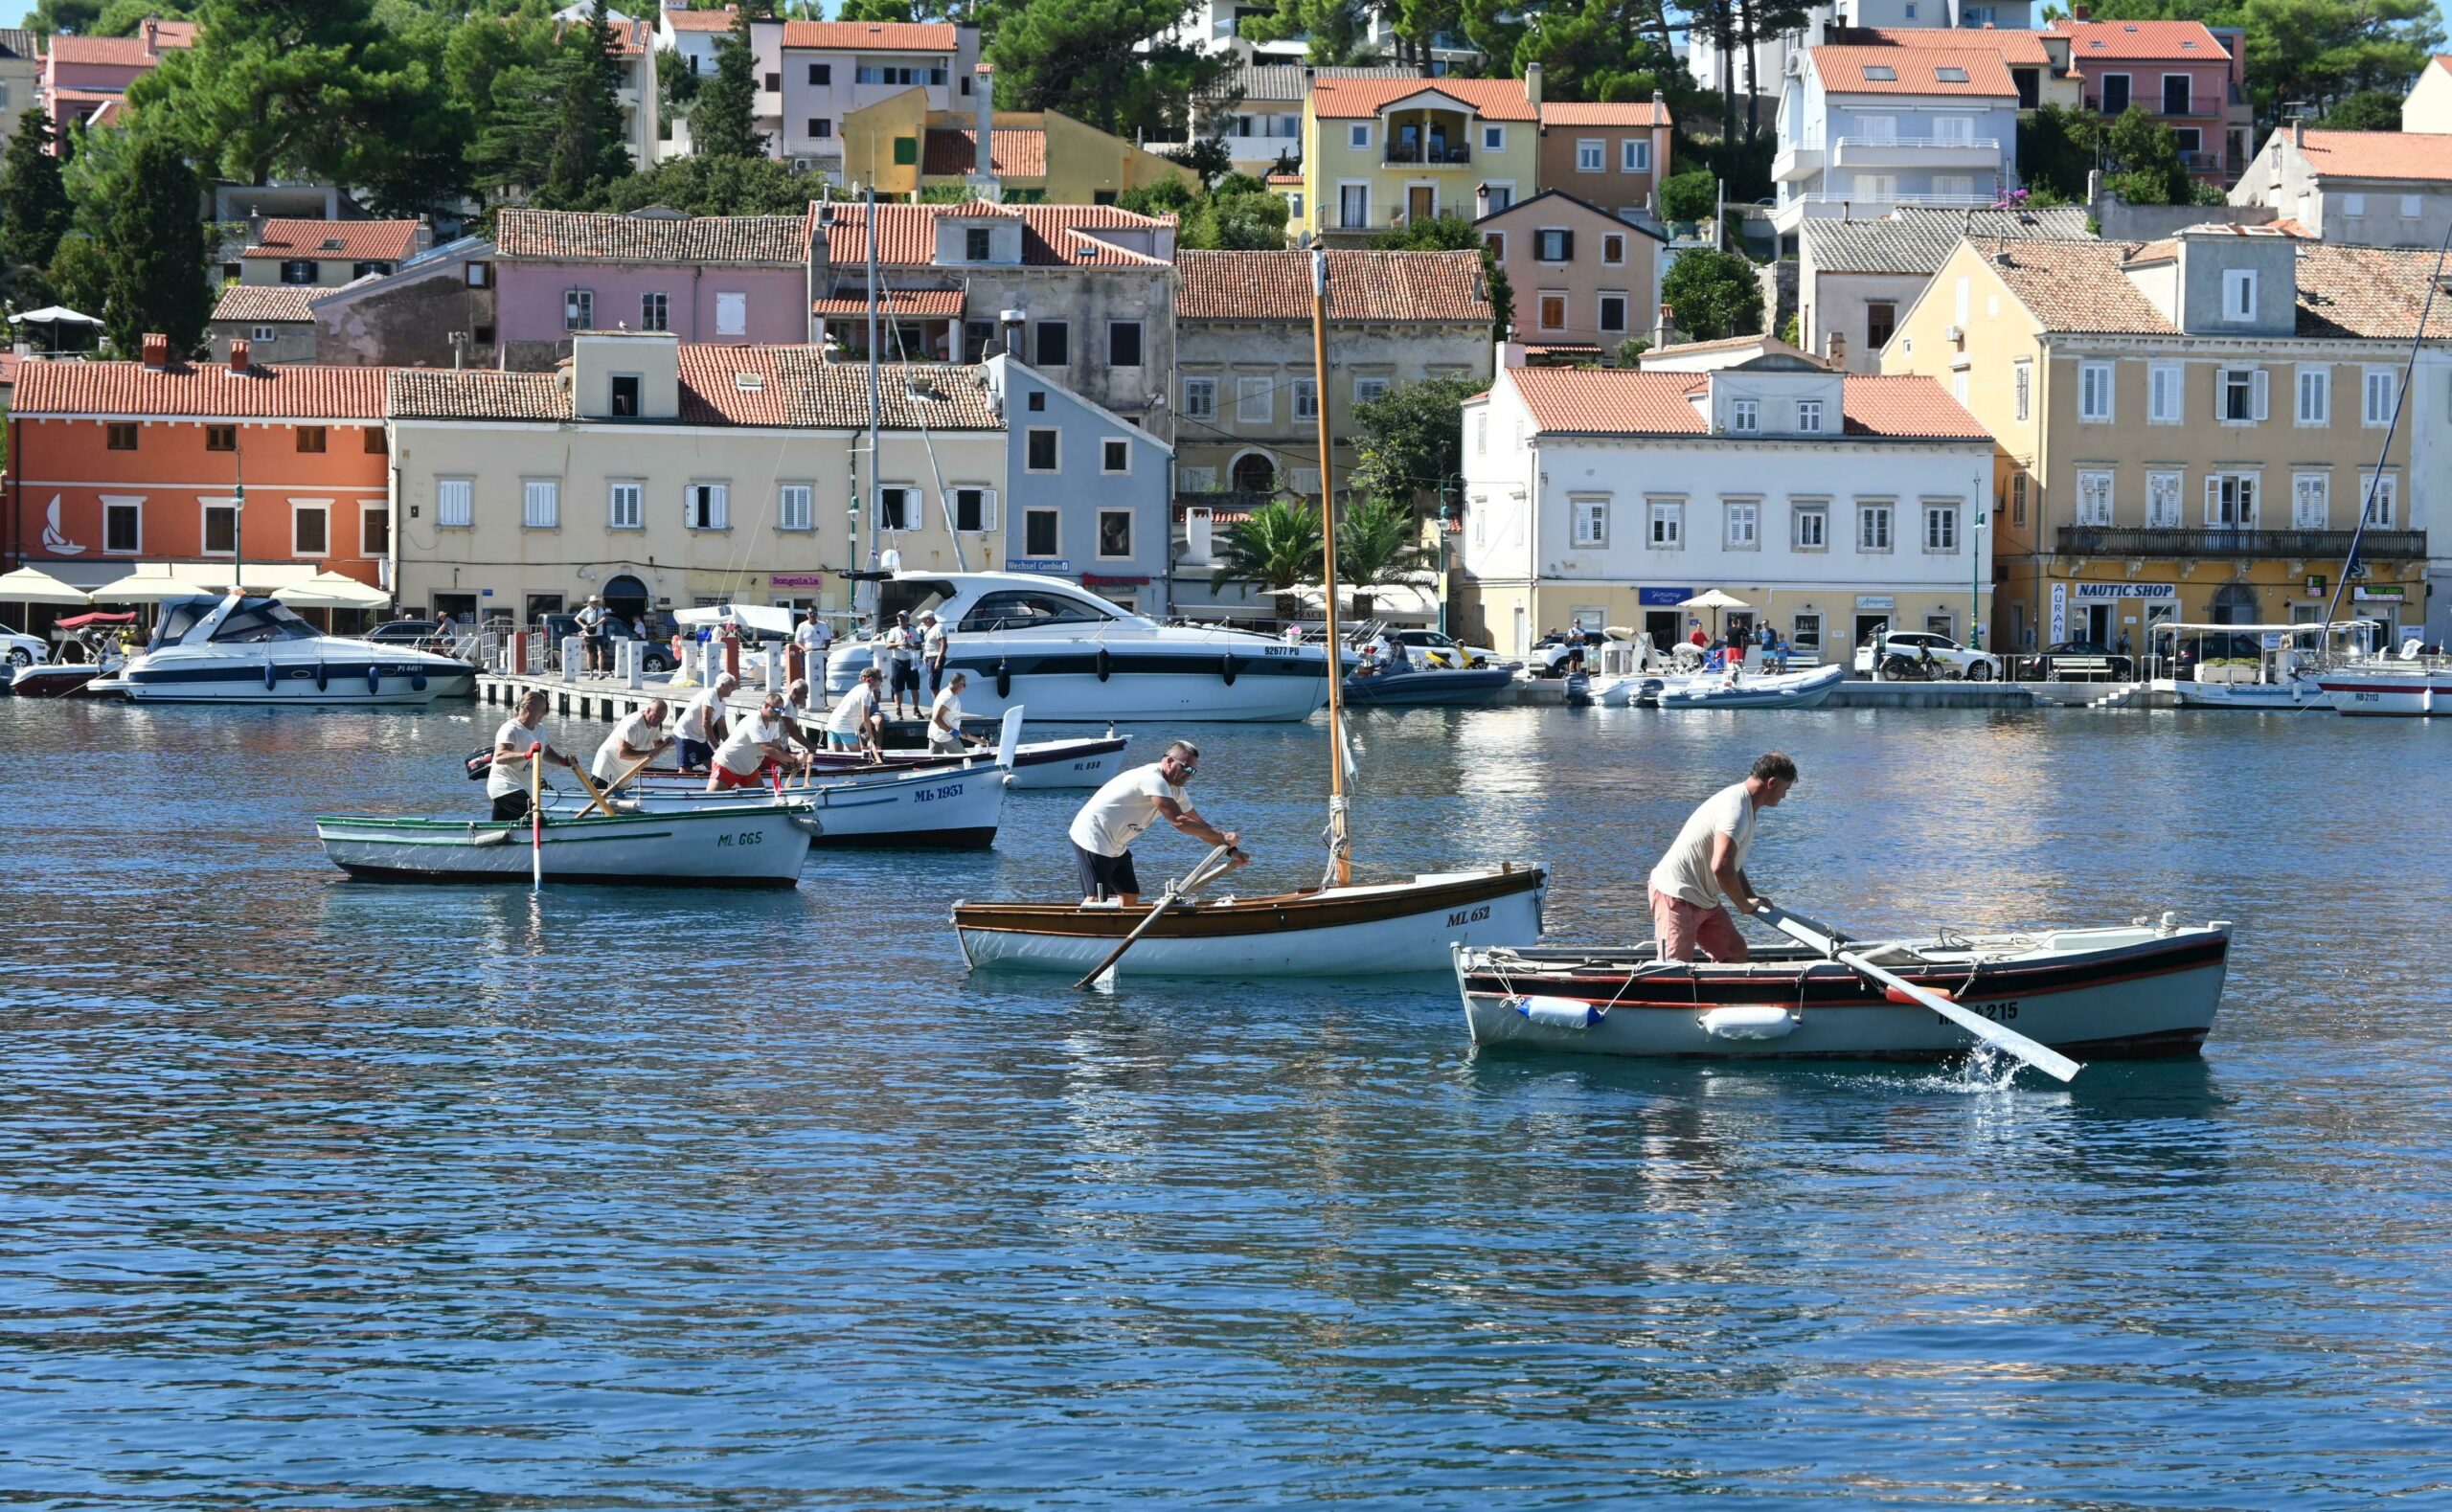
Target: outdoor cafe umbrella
x,y
31,585
53,316
329,590
143,587
1715,601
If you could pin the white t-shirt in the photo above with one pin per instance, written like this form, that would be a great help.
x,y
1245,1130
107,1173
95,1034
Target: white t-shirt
x,y
950,733
589,618
810,636
905,645
632,734
1686,870
506,780
851,712
1116,814
701,711
740,753
933,644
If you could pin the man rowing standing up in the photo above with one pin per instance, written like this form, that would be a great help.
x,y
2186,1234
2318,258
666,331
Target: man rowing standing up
x,y
702,723
1705,868
635,739
507,784
1103,831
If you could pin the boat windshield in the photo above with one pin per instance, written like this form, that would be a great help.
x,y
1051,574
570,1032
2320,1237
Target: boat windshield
x,y
260,620
179,617
1029,609
910,595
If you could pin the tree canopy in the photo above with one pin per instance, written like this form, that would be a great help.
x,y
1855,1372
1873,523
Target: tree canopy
x,y
1099,62
1713,295
1410,442
155,252
2313,52
724,124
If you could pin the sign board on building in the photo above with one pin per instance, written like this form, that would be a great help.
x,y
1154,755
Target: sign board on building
x,y
1876,600
2104,592
2394,594
1037,564
797,579
2059,613
1663,597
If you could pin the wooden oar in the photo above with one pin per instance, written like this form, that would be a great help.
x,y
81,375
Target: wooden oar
x,y
2042,1057
536,817
602,798
1211,867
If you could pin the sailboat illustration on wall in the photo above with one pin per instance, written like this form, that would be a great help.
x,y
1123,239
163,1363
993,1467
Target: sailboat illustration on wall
x,y
52,541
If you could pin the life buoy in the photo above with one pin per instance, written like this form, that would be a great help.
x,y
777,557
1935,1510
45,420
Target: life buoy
x,y
1226,669
1102,663
1003,679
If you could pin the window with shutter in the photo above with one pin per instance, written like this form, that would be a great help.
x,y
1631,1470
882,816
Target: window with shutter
x,y
541,504
2310,501
454,502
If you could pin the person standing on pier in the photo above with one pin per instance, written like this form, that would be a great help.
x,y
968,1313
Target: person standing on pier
x,y
1705,868
702,722
815,639
520,736
1103,831
590,619
904,644
933,645
634,739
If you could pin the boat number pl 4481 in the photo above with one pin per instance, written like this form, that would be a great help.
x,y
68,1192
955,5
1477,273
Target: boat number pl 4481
x,y
1468,916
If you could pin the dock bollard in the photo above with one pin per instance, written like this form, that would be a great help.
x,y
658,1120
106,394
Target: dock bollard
x,y
574,657
636,671
774,673
706,663
518,653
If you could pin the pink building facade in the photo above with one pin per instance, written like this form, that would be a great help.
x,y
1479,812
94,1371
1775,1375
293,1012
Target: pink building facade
x,y
711,279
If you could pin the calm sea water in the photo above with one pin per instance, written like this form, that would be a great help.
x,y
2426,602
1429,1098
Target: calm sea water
x,y
318,1194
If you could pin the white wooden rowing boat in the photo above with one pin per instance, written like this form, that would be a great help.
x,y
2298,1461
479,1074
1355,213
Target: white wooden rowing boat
x,y
958,807
738,844
2136,990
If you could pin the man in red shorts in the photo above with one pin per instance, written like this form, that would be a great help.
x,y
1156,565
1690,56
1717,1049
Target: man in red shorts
x,y
757,745
1705,868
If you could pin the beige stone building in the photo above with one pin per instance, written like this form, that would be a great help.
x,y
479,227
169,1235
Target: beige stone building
x,y
1582,280
20,77
2186,427
325,254
660,475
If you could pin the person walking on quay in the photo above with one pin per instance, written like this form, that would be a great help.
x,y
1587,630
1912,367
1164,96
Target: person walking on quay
x,y
856,723
759,744
933,646
945,718
1103,831
813,638
1704,869
702,722
635,739
591,618
522,732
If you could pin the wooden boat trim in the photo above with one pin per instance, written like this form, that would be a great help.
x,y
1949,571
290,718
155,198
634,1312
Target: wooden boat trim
x,y
1307,909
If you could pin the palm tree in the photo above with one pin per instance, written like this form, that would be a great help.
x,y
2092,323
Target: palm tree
x,y
1379,546
1278,546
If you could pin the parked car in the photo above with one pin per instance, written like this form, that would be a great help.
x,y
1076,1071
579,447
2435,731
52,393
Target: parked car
x,y
23,650
1949,657
657,658
2122,667
1550,653
1439,650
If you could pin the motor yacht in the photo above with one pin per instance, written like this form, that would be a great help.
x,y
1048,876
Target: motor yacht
x,y
1071,656
239,648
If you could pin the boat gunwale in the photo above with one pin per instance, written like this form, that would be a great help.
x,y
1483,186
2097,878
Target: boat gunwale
x,y
1233,917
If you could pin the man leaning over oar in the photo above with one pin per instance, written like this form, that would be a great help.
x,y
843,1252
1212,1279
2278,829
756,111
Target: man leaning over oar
x,y
1705,867
1103,831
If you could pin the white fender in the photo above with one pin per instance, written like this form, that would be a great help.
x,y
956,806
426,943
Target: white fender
x,y
1559,1013
1752,1021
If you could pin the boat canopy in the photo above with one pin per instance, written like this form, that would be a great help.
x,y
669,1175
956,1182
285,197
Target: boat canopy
x,y
980,603
80,622
252,621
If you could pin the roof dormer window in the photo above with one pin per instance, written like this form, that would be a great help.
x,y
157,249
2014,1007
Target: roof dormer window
x,y
1950,74
1880,72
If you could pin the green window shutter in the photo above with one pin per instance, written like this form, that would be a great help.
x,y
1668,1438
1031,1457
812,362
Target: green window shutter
x,y
906,152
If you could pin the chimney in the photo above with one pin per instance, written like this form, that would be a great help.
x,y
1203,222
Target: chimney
x,y
2081,11
238,354
1838,344
157,350
983,162
2299,133
152,29
1480,201
1008,324
1532,85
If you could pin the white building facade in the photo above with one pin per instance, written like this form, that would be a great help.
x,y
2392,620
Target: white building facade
x,y
1829,504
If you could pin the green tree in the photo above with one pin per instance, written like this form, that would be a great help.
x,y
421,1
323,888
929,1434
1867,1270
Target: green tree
x,y
722,185
1410,440
128,17
1629,352
876,10
1240,215
155,252
1379,545
317,89
1099,62
2058,147
1338,30
1713,295
34,212
724,124
1690,196
500,72
2148,155
2365,110
1209,159
1276,547
81,275
65,15
585,152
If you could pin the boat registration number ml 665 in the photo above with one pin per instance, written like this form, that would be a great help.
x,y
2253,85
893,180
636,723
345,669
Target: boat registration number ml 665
x,y
751,837
1468,916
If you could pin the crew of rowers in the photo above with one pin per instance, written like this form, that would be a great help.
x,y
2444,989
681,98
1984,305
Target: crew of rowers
x,y
747,752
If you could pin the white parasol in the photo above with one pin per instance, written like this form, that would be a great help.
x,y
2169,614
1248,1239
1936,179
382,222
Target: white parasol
x,y
331,591
1715,601
31,585
143,587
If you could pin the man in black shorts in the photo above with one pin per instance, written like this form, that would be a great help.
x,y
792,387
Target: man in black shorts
x,y
1103,831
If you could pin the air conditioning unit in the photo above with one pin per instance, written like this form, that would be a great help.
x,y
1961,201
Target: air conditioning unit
x,y
799,165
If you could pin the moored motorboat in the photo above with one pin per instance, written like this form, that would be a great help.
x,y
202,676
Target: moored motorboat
x,y
2406,685
954,809
55,679
239,648
1359,929
1808,690
742,844
2130,991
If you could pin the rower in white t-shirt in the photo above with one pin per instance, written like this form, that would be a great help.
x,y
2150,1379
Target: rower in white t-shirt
x,y
702,722
855,724
945,718
522,734
1103,831
757,745
635,739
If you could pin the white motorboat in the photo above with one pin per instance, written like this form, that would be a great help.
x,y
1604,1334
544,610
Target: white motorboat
x,y
239,648
2133,991
953,808
2409,684
759,845
2251,666
1809,690
1075,658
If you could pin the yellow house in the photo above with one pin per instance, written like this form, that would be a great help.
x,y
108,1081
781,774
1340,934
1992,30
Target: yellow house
x,y
1380,153
1035,156
2188,428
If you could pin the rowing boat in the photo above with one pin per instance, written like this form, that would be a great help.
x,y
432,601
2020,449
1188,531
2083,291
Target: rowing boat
x,y
1085,762
951,808
759,845
2131,991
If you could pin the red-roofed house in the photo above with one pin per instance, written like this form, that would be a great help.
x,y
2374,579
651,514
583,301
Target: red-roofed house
x,y
1381,152
1865,129
831,69
2187,75
704,278
2377,188
1827,501
900,148
1610,155
327,253
117,462
106,65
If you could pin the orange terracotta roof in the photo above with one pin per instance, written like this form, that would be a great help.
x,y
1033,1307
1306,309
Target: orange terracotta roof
x,y
2380,154
1594,113
2443,61
570,235
2017,46
1363,98
2143,41
701,20
123,52
2371,292
287,390
1019,152
1912,70
1053,236
1363,287
745,386
893,301
341,240
871,37
264,302
1614,401
1286,178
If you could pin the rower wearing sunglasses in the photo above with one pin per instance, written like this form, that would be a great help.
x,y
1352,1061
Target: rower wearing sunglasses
x,y
1115,816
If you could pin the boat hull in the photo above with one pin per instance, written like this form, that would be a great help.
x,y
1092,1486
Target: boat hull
x,y
1793,690
1430,690
1036,765
2298,694
1367,931
339,678
2112,994
55,680
1236,679
949,810
742,847
2418,693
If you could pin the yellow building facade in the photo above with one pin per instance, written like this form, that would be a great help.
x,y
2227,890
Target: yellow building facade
x,y
1378,153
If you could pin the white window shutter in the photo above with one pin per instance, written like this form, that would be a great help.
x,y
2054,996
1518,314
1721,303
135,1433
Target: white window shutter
x,y
2212,499
988,508
2263,386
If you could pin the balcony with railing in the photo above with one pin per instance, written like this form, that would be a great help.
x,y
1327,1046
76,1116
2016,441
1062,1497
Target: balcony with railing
x,y
1435,152
1803,161
2375,546
1915,153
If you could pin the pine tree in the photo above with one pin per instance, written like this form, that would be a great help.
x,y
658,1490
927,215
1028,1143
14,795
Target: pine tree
x,y
724,123
34,212
586,151
156,253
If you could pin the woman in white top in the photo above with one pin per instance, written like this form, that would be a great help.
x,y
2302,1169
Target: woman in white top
x,y
522,734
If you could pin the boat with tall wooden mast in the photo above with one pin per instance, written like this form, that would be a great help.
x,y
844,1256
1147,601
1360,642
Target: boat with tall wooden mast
x,y
1340,927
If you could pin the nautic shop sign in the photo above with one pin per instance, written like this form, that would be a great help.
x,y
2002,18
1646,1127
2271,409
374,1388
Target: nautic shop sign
x,y
2064,593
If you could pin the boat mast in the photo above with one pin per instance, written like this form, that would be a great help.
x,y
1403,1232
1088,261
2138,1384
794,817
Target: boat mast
x,y
877,467
1340,834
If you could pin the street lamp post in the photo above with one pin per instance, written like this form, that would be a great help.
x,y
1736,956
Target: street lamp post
x,y
1974,586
